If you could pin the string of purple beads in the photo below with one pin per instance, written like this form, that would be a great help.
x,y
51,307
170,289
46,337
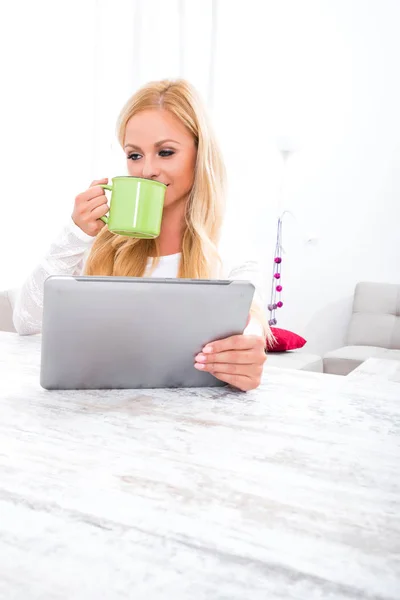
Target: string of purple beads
x,y
278,289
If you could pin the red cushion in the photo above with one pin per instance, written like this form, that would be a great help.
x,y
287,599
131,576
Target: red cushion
x,y
285,340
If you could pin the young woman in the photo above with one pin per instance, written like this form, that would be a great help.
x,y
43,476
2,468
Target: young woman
x,y
166,136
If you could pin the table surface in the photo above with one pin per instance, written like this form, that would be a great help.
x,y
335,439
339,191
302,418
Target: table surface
x,y
289,491
378,368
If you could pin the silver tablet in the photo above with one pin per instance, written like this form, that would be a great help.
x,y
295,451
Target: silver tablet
x,y
128,332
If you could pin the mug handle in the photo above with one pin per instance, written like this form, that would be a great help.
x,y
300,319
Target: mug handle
x,y
105,187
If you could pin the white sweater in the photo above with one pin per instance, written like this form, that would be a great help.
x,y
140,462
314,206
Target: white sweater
x,y
67,256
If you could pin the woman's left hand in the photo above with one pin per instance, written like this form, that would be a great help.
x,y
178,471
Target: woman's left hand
x,y
237,360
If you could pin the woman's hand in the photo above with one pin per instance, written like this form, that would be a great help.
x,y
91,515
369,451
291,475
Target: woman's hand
x,y
237,360
89,207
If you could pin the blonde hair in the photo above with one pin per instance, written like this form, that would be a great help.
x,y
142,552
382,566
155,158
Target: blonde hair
x,y
118,255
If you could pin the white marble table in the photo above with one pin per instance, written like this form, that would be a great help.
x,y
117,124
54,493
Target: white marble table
x,y
291,491
378,369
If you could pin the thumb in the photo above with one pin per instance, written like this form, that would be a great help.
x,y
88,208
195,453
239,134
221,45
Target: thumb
x,y
99,181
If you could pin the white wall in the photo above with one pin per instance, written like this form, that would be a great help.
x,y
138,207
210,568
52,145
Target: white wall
x,y
323,73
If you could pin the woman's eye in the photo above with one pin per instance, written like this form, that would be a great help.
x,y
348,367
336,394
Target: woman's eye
x,y
165,153
134,156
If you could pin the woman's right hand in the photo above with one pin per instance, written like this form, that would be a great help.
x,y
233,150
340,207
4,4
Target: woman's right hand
x,y
89,207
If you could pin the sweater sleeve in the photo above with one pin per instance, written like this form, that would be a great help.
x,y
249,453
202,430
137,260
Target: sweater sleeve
x,y
66,256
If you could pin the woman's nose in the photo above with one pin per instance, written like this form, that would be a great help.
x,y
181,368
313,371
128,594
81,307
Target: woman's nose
x,y
150,168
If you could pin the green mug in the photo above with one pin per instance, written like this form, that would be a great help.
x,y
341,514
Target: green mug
x,y
136,206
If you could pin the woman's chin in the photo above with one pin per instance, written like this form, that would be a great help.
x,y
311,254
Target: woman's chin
x,y
170,201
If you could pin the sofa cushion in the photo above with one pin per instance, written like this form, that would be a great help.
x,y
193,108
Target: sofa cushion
x,y
376,316
295,360
6,322
346,359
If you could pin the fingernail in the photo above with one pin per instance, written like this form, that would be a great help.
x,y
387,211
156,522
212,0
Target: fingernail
x,y
199,366
201,358
207,349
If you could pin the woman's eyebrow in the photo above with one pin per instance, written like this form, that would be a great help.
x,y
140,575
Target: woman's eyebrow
x,y
131,146
157,144
161,142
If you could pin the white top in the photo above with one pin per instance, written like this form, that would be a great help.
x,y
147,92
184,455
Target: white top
x,y
68,254
168,266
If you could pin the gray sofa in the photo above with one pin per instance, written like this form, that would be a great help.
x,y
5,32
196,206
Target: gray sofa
x,y
293,359
6,303
374,330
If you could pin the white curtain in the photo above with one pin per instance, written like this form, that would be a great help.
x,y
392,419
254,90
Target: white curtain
x,y
46,124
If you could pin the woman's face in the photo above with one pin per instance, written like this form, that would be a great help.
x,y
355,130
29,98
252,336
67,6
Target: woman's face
x,y
158,146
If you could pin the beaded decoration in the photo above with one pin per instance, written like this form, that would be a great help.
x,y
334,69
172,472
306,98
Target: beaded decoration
x,y
276,288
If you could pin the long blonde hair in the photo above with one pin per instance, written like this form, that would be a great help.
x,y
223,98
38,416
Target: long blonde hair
x,y
118,255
